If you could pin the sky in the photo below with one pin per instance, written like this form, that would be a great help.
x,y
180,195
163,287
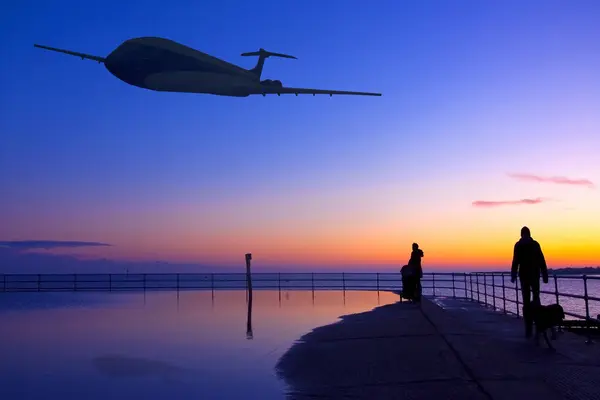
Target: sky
x,y
488,122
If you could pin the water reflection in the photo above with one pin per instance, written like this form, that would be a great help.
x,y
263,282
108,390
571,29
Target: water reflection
x,y
120,366
76,345
249,334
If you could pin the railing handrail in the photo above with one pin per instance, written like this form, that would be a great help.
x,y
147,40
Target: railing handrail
x,y
229,273
436,273
466,285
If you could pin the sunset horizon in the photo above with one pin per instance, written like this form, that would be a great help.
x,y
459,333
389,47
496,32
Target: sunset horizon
x,y
477,235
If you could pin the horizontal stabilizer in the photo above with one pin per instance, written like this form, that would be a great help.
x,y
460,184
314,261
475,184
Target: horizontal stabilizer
x,y
72,53
262,56
265,54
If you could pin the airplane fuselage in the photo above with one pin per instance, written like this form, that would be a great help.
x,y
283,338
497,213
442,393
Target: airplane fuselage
x,y
164,65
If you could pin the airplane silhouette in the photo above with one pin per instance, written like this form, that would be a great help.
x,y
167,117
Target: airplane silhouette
x,y
164,65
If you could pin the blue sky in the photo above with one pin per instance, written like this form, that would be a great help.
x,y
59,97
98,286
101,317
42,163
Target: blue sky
x,y
471,91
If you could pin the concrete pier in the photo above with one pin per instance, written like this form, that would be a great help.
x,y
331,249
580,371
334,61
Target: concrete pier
x,y
442,349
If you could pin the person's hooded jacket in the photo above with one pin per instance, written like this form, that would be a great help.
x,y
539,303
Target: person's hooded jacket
x,y
528,261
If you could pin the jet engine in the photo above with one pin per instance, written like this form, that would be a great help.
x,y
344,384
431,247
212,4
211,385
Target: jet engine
x,y
269,82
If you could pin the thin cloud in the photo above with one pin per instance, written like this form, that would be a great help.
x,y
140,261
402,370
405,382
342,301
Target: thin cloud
x,y
488,203
559,180
48,244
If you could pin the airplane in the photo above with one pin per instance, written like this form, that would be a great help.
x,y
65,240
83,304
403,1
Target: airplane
x,y
164,65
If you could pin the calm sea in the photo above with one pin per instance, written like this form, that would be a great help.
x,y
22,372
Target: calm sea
x,y
197,343
158,345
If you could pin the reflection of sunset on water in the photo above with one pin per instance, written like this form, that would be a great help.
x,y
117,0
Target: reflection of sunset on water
x,y
193,330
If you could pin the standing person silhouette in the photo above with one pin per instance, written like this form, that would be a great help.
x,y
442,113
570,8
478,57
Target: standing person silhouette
x,y
528,263
415,264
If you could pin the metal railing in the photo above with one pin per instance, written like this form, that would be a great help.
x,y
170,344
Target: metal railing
x,y
192,281
491,289
432,282
584,284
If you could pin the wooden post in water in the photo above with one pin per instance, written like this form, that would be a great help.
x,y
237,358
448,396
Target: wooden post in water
x,y
249,334
249,276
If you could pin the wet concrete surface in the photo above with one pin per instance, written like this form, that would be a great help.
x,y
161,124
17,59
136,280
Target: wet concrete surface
x,y
440,349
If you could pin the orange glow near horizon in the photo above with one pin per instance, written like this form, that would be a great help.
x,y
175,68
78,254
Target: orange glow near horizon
x,y
344,227
446,246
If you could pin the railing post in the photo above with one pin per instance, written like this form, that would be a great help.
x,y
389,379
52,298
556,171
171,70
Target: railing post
x,y
453,288
75,282
485,295
465,279
494,290
517,296
477,283
178,282
556,289
144,281
343,281
378,283
39,278
587,310
471,285
212,284
110,282
312,279
4,282
503,293
560,329
433,284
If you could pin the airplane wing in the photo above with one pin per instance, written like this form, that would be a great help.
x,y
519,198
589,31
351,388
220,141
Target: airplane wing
x,y
287,90
72,53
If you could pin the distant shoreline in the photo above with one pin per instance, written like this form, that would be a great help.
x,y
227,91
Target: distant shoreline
x,y
575,271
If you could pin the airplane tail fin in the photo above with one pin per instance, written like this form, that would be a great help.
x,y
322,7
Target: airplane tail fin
x,y
262,56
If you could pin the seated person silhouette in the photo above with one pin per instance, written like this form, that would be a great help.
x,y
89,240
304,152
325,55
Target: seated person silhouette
x,y
408,282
